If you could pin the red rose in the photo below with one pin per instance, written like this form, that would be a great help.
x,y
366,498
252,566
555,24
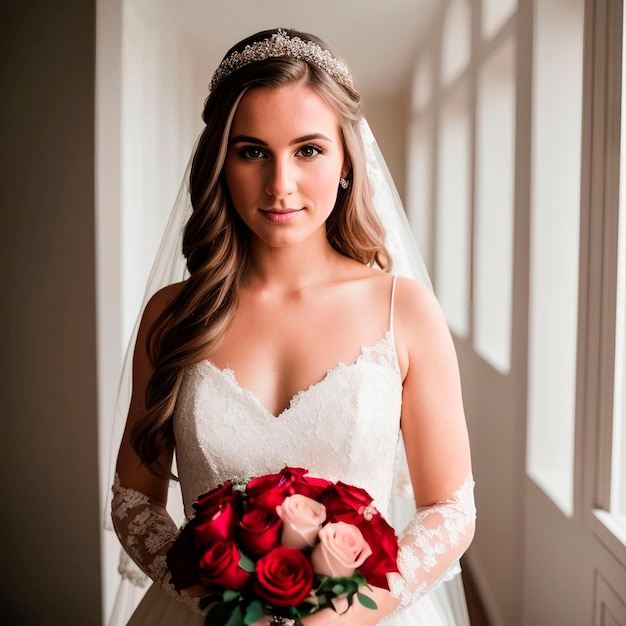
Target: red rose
x,y
258,486
384,543
284,577
220,566
259,531
210,502
342,498
215,519
270,491
223,525
182,560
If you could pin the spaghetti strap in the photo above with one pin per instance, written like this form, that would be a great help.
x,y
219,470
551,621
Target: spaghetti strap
x,y
391,305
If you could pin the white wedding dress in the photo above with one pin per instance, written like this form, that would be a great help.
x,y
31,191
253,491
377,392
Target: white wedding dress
x,y
344,427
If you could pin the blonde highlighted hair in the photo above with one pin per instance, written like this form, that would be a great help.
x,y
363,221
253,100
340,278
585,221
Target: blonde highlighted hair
x,y
215,239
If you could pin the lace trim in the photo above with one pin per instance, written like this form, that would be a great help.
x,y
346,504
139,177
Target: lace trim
x,y
383,352
125,499
352,415
435,537
146,532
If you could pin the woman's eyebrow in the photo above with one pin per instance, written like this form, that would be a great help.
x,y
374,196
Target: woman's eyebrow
x,y
310,138
260,142
246,139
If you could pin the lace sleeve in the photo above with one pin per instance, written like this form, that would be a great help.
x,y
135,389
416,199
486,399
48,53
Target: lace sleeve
x,y
432,542
147,532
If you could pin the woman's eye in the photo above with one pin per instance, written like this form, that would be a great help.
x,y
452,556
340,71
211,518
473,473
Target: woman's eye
x,y
309,151
251,153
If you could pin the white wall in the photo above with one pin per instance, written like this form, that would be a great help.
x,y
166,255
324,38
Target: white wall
x,y
50,542
386,115
149,103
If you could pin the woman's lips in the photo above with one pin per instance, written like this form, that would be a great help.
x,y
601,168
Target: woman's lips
x,y
281,216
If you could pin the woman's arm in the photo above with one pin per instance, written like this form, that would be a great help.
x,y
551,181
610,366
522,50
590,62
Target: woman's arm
x,y
436,443
438,456
139,516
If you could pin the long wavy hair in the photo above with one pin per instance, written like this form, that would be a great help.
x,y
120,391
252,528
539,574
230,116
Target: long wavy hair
x,y
215,240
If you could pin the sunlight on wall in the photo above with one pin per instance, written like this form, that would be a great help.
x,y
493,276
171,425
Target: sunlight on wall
x,y
453,202
456,41
419,187
422,86
148,108
555,215
493,245
494,14
157,136
618,470
419,162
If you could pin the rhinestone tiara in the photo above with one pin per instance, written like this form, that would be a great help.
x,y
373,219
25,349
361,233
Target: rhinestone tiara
x,y
280,44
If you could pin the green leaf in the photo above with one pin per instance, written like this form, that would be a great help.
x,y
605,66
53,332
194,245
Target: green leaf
x,y
254,612
230,595
223,614
246,563
235,618
366,601
338,589
211,598
306,608
351,587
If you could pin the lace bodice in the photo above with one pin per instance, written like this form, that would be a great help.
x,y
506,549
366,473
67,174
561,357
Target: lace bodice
x,y
344,427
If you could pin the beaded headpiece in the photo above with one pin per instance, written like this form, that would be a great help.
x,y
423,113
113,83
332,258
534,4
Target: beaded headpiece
x,y
281,44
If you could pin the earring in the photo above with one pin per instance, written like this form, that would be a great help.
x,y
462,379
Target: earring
x,y
344,183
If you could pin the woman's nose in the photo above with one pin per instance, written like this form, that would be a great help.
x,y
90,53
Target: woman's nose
x,y
281,179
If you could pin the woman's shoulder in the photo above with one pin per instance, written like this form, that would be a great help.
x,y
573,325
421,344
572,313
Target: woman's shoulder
x,y
159,301
415,298
418,317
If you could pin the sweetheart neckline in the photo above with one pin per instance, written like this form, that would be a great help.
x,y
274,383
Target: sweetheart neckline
x,y
231,376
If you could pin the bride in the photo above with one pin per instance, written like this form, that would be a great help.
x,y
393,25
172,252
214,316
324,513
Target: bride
x,y
292,342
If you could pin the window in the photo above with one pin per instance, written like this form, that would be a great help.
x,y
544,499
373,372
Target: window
x,y
555,217
618,469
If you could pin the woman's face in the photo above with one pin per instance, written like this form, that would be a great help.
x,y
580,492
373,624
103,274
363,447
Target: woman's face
x,y
285,157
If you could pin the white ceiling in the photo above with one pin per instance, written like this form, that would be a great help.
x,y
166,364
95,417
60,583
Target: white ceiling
x,y
377,38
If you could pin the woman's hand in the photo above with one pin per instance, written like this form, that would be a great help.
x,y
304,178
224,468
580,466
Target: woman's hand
x,y
357,614
196,591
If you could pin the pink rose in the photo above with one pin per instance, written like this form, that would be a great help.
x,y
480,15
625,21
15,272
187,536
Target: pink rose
x,y
302,519
352,505
341,551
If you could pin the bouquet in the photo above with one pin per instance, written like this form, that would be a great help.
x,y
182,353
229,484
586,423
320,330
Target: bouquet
x,y
283,545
